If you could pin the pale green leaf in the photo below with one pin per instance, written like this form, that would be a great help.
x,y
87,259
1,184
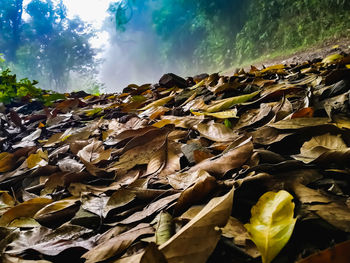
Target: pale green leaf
x,y
220,115
164,228
159,102
225,104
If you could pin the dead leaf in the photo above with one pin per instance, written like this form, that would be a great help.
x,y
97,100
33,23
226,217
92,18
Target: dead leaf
x,y
216,132
325,147
150,255
334,212
196,193
50,242
151,209
236,230
232,159
164,228
340,253
116,245
94,152
7,162
196,240
25,209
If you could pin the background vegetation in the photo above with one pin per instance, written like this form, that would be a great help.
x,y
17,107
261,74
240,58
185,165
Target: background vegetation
x,y
214,35
152,37
40,41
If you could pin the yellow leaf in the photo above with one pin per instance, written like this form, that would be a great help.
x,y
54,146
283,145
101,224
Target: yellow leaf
x,y
199,84
40,158
220,115
225,104
6,201
274,67
24,222
335,47
272,223
347,66
332,58
55,207
93,112
7,162
159,102
25,209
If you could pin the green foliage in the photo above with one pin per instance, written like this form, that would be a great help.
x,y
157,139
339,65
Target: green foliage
x,y
279,25
209,35
11,90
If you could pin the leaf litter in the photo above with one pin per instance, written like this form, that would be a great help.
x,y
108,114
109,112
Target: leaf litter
x,y
241,168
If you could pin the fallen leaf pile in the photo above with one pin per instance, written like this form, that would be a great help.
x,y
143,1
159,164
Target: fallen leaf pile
x,y
242,168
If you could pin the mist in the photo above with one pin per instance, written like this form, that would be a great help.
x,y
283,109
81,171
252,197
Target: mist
x,y
132,56
144,39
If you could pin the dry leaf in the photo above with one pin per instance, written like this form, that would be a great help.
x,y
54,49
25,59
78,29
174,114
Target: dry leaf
x,y
116,245
326,147
25,209
216,132
196,240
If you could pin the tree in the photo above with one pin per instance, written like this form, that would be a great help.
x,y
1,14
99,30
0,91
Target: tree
x,y
10,27
48,39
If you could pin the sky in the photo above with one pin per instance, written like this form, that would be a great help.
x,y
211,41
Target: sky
x,y
94,12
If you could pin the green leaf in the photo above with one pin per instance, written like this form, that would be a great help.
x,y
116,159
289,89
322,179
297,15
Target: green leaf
x,y
159,102
228,124
272,223
225,104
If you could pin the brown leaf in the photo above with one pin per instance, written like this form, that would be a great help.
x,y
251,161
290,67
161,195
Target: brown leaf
x,y
324,148
216,132
116,245
25,209
15,118
340,253
151,209
58,212
118,199
232,159
94,152
334,212
300,123
50,242
140,150
196,193
236,230
7,162
197,239
150,255
200,155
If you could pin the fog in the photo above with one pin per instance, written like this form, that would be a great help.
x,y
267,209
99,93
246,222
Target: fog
x,y
105,45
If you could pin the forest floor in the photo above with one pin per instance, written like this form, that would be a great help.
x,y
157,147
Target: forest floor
x,y
152,174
